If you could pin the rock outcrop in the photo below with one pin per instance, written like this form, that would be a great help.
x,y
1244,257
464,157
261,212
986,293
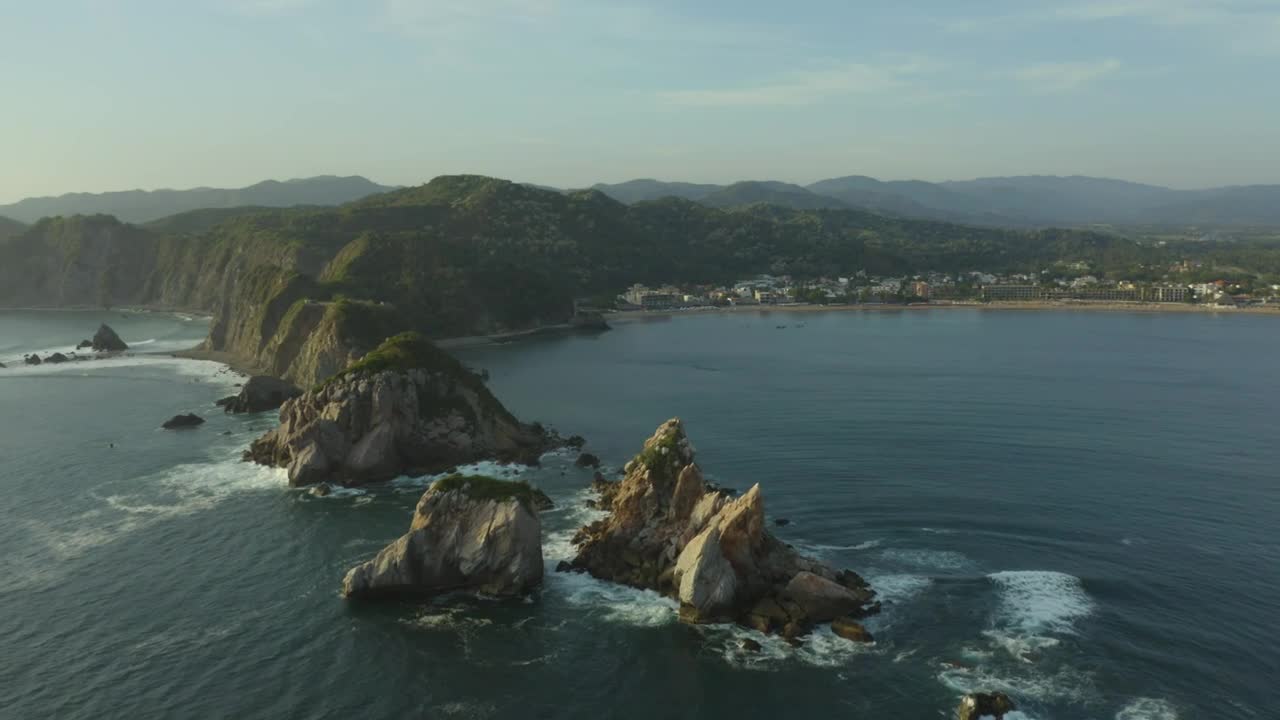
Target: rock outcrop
x,y
32,359
469,533
179,422
406,408
106,340
260,394
669,531
980,705
56,358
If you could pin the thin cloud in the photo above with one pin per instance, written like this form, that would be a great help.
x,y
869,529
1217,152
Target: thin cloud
x,y
1065,76
1239,26
806,88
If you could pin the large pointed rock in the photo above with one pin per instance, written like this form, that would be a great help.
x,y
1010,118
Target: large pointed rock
x,y
469,533
106,340
668,531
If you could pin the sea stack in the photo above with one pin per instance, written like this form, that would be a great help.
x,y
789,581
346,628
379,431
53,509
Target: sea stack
x,y
669,531
406,408
106,340
469,533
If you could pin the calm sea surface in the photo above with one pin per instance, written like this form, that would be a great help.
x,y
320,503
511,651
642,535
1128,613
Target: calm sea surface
x,y
1077,508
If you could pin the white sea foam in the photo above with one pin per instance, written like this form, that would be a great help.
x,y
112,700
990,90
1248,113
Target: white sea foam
x,y
178,491
819,549
820,648
490,468
1064,685
204,371
1148,709
926,559
1033,602
897,589
613,602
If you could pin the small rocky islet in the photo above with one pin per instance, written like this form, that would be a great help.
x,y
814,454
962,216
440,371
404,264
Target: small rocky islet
x,y
105,343
406,408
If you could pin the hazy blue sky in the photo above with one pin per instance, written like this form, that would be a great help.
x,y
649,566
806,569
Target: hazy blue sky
x,y
116,94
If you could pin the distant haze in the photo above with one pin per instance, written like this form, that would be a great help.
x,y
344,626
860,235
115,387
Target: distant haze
x,y
107,96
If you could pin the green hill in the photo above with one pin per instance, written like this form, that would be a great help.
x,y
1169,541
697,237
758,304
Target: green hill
x,y
464,255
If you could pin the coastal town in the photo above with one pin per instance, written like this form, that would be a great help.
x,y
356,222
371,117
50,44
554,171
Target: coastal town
x,y
1075,285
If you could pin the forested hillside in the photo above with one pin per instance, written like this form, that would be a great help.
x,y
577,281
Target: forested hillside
x,y
467,254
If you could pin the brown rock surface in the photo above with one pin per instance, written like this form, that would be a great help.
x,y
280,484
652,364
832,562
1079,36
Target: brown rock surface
x,y
667,530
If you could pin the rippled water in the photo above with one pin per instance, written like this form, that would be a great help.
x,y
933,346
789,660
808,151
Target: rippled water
x,y
1077,508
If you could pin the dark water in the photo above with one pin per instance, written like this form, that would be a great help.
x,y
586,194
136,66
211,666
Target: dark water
x,y
1079,509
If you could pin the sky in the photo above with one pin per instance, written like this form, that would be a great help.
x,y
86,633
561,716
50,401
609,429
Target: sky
x,y
120,94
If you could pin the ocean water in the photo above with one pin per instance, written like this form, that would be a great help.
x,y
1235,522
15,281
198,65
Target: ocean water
x,y
1076,508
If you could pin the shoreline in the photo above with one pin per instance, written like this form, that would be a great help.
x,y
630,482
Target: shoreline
x,y
626,316
139,309
236,363
469,341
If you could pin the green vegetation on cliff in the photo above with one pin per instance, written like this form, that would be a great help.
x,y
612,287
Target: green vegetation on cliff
x,y
303,290
483,487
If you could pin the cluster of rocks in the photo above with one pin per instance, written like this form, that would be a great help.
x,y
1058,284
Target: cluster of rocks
x,y
104,341
669,531
261,393
471,533
372,425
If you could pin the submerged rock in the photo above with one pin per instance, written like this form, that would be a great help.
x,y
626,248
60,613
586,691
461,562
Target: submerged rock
x,y
260,394
851,629
56,358
84,344
669,531
979,705
471,533
31,359
178,422
106,340
407,408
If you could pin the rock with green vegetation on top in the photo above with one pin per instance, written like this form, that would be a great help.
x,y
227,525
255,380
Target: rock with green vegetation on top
x,y
469,533
406,408
669,531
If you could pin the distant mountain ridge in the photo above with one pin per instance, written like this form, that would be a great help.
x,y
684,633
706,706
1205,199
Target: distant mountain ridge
x,y
1022,201
139,206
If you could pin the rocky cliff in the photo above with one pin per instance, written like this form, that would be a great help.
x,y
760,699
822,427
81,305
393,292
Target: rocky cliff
x,y
667,530
468,533
405,408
